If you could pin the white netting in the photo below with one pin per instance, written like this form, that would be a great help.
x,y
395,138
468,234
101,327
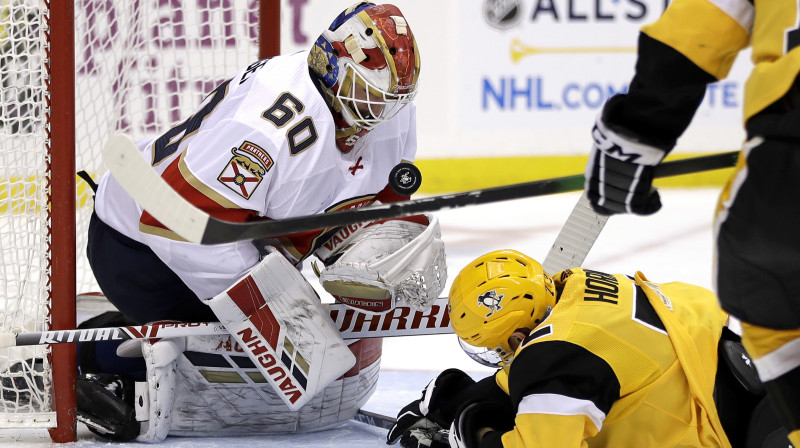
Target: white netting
x,y
141,66
24,372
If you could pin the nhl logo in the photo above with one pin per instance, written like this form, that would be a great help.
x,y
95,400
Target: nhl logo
x,y
502,14
491,300
405,179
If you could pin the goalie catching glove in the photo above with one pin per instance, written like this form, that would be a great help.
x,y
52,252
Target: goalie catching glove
x,y
386,262
619,174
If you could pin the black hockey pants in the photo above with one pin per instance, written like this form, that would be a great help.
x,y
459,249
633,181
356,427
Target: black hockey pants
x,y
137,282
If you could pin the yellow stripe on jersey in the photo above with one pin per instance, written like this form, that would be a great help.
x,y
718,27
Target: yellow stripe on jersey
x,y
759,341
776,28
703,33
794,437
569,430
198,185
774,352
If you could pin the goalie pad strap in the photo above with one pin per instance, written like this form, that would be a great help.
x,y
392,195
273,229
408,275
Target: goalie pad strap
x,y
154,400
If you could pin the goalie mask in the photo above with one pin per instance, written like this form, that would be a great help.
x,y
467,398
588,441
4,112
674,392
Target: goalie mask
x,y
366,65
495,295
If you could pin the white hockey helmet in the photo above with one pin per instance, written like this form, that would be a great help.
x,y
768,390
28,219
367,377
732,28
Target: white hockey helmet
x,y
367,65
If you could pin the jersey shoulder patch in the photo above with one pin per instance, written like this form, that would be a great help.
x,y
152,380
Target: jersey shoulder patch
x,y
245,170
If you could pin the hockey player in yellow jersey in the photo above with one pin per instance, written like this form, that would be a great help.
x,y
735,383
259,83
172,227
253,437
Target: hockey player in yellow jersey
x,y
588,359
757,263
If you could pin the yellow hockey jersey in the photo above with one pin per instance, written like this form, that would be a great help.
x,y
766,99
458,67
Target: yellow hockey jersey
x,y
712,32
693,44
619,362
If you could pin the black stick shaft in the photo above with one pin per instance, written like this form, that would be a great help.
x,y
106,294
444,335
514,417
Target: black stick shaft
x,y
221,232
373,419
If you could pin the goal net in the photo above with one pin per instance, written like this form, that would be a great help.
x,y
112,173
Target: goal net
x,y
130,66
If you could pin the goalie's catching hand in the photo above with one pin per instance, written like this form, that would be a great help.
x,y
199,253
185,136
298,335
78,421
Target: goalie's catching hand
x,y
388,262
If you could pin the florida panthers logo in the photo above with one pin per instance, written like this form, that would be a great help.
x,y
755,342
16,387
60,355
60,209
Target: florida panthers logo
x,y
490,300
246,169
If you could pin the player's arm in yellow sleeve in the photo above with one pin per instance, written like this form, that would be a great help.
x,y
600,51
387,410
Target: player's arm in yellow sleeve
x,y
692,45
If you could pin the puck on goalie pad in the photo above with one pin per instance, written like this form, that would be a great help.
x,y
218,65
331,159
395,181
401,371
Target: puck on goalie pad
x,y
405,179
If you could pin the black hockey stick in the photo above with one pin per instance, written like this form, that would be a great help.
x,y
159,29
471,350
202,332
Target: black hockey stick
x,y
386,422
373,419
144,184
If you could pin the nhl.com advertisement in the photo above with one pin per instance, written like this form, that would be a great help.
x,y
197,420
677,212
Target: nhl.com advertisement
x,y
549,65
528,77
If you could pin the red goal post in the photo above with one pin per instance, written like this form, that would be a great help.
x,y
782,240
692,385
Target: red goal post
x,y
73,73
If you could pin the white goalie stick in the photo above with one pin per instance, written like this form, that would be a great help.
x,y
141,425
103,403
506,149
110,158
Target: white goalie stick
x,y
576,237
137,177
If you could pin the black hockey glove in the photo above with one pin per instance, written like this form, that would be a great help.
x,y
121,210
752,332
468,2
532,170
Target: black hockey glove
x,y
106,405
480,425
430,413
619,174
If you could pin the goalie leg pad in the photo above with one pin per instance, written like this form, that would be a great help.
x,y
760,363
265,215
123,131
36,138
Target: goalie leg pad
x,y
391,261
278,320
220,392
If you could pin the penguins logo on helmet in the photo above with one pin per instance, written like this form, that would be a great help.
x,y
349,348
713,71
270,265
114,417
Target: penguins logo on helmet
x,y
491,300
366,64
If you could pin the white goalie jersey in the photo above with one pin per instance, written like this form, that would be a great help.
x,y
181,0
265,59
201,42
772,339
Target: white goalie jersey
x,y
260,146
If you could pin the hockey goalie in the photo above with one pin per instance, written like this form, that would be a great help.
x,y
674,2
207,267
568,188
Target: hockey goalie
x,y
299,134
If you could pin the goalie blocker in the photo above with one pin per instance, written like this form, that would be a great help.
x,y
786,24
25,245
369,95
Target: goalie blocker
x,y
279,322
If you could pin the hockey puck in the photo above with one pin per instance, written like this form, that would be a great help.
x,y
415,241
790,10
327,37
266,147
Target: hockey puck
x,y
405,179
